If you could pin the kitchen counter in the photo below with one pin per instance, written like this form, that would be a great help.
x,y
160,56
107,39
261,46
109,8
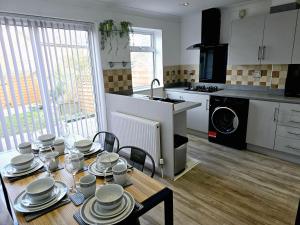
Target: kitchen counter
x,y
254,95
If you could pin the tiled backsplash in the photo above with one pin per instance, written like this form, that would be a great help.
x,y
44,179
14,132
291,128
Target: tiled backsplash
x,y
273,76
180,73
117,80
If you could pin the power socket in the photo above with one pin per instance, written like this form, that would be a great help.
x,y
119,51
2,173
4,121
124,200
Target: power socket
x,y
257,74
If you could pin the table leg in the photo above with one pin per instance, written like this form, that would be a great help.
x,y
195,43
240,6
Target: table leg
x,y
6,196
169,209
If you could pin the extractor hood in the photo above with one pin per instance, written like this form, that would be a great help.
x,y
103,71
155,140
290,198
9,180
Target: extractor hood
x,y
210,34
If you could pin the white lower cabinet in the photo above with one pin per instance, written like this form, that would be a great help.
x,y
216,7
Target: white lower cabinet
x,y
262,121
197,118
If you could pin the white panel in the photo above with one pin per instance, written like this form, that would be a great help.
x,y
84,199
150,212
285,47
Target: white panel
x,y
139,132
296,52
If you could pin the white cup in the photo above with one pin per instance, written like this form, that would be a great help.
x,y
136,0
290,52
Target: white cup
x,y
25,148
59,145
53,160
87,185
78,156
120,174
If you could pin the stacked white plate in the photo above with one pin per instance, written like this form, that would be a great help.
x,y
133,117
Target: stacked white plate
x,y
10,172
23,203
93,214
96,147
99,170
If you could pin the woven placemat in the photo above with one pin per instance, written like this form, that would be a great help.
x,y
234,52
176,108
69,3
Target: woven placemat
x,y
31,216
77,198
41,170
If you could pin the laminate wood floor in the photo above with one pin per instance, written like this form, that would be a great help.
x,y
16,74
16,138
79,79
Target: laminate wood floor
x,y
232,187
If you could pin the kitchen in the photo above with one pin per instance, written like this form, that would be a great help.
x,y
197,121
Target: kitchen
x,y
209,90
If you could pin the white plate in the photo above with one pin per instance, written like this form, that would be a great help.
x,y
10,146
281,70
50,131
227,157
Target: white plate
x,y
88,218
10,169
6,173
95,148
97,172
106,214
63,189
27,202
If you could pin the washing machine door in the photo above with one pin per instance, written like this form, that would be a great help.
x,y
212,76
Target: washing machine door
x,y
225,120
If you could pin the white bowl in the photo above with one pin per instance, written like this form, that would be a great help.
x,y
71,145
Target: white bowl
x,y
22,162
108,159
40,189
24,148
109,196
83,145
46,139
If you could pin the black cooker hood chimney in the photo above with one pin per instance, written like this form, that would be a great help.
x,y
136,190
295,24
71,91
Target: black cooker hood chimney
x,y
210,34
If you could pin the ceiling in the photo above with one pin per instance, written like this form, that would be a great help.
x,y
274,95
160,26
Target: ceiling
x,y
171,7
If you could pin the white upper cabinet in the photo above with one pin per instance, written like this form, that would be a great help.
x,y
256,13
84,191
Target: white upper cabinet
x,y
262,122
265,39
279,38
246,39
296,53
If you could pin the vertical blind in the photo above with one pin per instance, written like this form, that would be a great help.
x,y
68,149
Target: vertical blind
x,y
49,79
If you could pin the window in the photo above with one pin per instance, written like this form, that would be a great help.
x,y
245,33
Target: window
x,y
46,78
145,56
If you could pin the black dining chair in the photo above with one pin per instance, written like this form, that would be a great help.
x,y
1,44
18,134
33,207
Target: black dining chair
x,y
137,157
109,141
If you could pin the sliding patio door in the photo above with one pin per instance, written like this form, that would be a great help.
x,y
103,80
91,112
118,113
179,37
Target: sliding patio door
x,y
48,79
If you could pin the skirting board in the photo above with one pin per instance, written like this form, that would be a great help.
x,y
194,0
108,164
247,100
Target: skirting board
x,y
197,133
274,153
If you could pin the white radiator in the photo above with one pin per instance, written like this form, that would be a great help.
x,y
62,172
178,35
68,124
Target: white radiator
x,y
139,132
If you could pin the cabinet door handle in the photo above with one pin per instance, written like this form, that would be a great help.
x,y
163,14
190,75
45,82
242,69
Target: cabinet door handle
x,y
276,110
263,52
293,133
258,54
291,147
207,107
294,110
293,121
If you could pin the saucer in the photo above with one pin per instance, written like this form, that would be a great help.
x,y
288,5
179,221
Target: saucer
x,y
88,218
101,213
27,202
18,206
6,171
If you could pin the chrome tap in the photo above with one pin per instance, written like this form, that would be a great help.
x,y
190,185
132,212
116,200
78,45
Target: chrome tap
x,y
152,83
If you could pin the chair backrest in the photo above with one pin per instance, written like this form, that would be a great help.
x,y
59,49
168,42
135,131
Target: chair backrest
x,y
109,141
297,221
137,157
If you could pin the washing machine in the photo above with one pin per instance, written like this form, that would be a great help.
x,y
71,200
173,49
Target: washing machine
x,y
228,119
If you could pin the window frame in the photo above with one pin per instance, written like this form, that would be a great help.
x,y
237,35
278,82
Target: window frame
x,y
145,49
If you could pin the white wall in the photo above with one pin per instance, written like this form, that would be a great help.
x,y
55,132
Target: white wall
x,y
190,34
93,11
191,27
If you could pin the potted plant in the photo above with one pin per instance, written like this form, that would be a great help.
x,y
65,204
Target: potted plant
x,y
106,29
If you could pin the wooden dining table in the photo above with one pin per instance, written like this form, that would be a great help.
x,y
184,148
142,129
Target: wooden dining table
x,y
145,190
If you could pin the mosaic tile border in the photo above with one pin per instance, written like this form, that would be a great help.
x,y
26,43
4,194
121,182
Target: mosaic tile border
x,y
273,76
117,80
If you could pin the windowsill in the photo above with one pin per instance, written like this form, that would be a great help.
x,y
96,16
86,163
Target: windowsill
x,y
145,88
